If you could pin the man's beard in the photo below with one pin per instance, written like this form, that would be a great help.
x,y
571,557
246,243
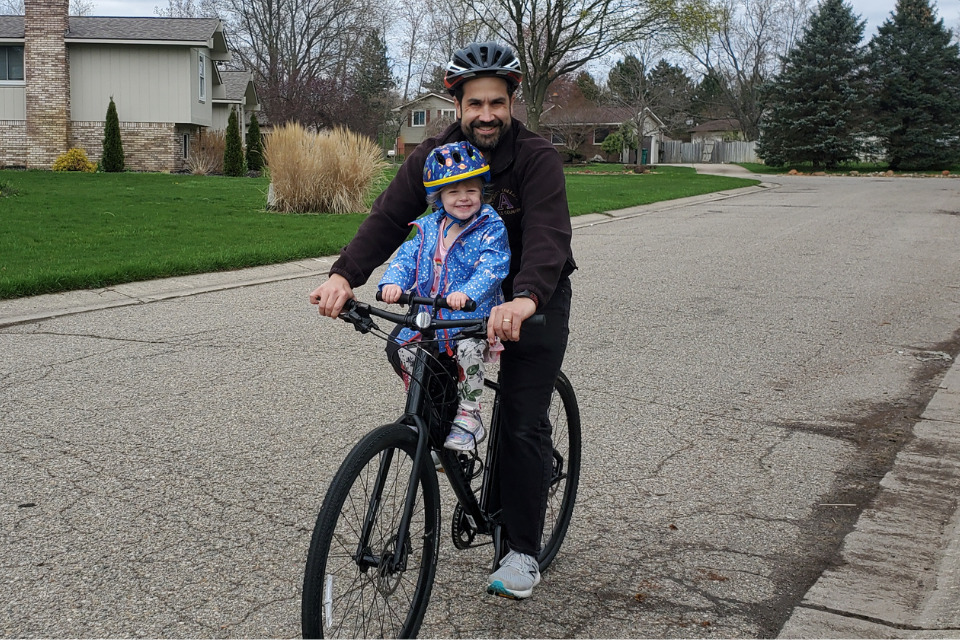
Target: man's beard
x,y
485,143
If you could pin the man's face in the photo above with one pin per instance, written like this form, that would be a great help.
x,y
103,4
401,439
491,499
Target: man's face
x,y
484,111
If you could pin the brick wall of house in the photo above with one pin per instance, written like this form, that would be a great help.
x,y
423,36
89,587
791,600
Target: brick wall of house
x,y
147,146
48,80
13,143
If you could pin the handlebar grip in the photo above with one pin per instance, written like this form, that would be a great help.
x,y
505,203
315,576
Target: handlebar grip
x,y
410,299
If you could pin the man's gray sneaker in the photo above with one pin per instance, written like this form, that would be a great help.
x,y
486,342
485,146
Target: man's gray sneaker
x,y
518,574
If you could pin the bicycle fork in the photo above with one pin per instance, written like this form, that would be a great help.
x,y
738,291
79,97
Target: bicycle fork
x,y
397,560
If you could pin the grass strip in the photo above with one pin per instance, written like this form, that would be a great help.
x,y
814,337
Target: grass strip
x,y
67,231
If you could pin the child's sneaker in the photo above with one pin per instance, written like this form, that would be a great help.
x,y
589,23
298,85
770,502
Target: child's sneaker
x,y
466,432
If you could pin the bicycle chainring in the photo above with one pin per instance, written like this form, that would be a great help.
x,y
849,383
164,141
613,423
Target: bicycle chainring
x,y
463,531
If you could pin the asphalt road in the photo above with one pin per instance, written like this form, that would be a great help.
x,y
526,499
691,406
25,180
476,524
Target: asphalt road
x,y
747,367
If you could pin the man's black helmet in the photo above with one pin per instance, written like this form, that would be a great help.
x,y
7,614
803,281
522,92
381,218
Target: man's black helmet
x,y
482,59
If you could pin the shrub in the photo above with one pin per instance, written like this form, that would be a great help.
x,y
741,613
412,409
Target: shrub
x,y
254,145
329,171
206,155
613,143
233,162
74,160
112,160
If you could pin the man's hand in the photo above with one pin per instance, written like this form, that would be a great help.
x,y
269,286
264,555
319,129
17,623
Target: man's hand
x,y
332,295
505,320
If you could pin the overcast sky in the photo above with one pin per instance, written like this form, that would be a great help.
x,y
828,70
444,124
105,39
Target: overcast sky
x,y
873,11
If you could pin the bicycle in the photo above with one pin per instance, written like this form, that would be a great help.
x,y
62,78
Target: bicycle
x,y
374,549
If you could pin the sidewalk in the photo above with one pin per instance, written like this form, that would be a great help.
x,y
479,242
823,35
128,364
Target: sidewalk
x,y
900,571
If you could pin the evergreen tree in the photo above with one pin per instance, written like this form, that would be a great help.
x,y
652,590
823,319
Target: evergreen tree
x,y
233,162
915,77
112,159
627,81
709,98
254,145
671,94
588,87
816,104
372,83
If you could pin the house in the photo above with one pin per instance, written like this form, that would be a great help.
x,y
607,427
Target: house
x,y
584,127
723,130
421,118
580,131
60,73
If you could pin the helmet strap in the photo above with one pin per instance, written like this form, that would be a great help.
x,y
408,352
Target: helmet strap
x,y
461,223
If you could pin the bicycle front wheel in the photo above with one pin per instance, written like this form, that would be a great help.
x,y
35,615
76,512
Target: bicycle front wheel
x,y
361,579
564,416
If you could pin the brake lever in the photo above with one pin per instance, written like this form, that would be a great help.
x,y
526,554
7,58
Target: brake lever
x,y
361,322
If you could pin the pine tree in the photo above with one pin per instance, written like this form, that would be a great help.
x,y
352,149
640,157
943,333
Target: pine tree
x,y
112,159
254,145
915,76
372,83
671,91
709,98
627,81
233,162
816,104
588,87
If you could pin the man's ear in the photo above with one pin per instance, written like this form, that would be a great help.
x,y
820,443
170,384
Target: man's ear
x,y
456,107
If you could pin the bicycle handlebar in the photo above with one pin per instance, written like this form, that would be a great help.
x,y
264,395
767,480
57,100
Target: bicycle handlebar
x,y
438,302
358,314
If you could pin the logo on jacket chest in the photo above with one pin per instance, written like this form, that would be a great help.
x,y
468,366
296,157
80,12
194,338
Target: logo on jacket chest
x,y
506,202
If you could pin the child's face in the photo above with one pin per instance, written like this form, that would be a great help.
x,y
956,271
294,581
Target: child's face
x,y
462,199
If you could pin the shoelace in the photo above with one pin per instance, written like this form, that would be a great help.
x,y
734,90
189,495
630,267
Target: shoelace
x,y
518,561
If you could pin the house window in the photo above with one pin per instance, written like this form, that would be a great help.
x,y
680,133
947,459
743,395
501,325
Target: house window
x,y
450,114
186,146
557,138
203,77
419,119
11,63
600,134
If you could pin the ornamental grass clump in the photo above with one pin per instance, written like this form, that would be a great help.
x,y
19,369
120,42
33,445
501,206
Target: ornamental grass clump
x,y
74,160
327,171
206,155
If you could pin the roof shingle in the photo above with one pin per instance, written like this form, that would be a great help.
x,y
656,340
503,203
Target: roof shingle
x,y
100,28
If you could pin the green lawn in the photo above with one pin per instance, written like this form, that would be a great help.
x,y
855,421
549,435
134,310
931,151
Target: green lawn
x,y
66,231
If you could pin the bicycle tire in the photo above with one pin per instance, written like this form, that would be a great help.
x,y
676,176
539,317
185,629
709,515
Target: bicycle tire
x,y
343,599
564,416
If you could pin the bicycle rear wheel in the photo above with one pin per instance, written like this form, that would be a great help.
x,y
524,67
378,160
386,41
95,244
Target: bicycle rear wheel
x,y
564,416
351,587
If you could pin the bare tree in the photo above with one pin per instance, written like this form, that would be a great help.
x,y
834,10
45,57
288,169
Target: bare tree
x,y
77,7
292,44
187,9
742,42
557,37
573,126
427,32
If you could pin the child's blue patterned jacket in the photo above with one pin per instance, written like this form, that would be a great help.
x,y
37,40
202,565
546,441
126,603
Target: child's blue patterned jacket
x,y
476,264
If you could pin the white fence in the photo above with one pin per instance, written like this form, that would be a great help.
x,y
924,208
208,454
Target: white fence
x,y
708,152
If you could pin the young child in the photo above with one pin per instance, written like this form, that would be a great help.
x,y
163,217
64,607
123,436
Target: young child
x,y
460,252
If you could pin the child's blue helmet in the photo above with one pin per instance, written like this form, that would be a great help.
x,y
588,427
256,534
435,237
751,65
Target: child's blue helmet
x,y
453,162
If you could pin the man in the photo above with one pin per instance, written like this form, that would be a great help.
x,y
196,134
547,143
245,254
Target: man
x,y
528,191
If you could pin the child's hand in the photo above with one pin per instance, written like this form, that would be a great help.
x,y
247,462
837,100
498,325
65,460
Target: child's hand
x,y
456,300
390,293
